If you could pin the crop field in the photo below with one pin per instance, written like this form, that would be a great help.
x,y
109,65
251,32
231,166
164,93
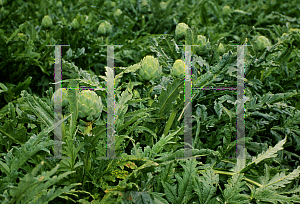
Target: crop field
x,y
150,102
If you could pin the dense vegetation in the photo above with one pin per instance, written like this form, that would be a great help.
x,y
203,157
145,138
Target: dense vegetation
x,y
149,106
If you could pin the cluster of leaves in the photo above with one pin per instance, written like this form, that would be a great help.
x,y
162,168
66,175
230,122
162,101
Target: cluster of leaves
x,y
150,164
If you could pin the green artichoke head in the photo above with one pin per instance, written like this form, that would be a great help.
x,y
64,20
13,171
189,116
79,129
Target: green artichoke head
x,y
144,7
178,69
89,105
150,68
163,5
104,28
118,13
21,36
47,22
226,10
221,49
59,4
180,30
263,42
204,44
61,95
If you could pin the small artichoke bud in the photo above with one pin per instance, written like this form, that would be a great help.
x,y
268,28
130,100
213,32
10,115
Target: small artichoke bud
x,y
204,44
89,105
180,30
118,13
226,10
178,69
150,68
262,42
59,4
104,28
163,5
61,95
113,4
75,24
47,22
221,49
144,6
21,36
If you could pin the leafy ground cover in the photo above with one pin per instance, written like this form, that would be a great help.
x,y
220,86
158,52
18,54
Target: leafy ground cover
x,y
149,104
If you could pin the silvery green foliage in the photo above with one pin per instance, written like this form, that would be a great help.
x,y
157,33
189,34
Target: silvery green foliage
x,y
180,30
60,94
178,69
47,22
89,105
263,42
203,43
104,28
150,68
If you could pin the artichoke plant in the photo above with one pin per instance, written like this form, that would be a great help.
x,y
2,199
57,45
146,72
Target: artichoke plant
x,y
150,68
180,30
89,105
178,69
47,22
60,94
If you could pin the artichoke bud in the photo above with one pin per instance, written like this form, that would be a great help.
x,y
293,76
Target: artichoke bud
x,y
47,22
75,24
144,6
59,4
204,44
180,30
89,105
163,5
226,10
150,68
21,36
263,42
60,95
178,69
117,13
113,4
104,28
221,49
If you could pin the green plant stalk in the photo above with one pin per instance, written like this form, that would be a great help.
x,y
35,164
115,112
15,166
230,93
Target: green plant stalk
x,y
106,40
170,122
